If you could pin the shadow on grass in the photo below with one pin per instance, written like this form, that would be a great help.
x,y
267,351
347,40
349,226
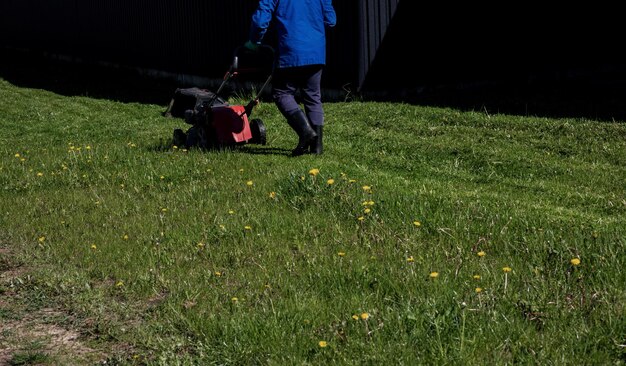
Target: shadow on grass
x,y
596,96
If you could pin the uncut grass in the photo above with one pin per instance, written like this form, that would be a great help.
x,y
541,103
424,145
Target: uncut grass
x,y
175,252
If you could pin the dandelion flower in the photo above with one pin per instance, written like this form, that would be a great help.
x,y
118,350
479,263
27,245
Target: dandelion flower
x,y
478,290
248,227
173,147
201,245
249,183
476,277
367,188
323,344
162,177
360,218
355,317
410,259
93,246
40,174
272,195
481,253
241,170
352,181
314,171
417,223
367,210
119,284
230,212
42,239
17,155
330,182
164,209
575,261
218,274
125,237
506,269
434,274
341,254
365,316
234,299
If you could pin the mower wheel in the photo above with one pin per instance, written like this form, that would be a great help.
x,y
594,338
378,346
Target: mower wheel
x,y
258,132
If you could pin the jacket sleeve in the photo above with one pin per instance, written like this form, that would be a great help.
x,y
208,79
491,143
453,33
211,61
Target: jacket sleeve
x,y
330,18
261,20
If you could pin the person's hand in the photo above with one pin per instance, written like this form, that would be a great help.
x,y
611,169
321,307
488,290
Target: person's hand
x,y
251,46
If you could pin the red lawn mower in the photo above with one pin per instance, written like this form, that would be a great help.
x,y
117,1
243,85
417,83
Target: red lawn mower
x,y
214,122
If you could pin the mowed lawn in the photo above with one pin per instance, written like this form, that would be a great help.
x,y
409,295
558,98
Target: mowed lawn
x,y
422,235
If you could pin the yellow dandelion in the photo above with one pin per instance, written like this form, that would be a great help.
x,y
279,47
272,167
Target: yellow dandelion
x,y
125,237
410,259
234,299
241,170
42,239
272,195
367,210
478,290
218,274
40,174
222,227
88,147
231,212
506,269
248,227
162,177
201,245
365,316
93,246
163,209
119,283
434,274
314,171
302,177
360,218
481,253
17,155
322,344
575,261
249,183
367,188
330,182
133,145
476,277
355,317
341,254
417,223
173,147
352,181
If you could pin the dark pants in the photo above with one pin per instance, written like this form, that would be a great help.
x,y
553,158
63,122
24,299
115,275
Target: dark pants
x,y
286,82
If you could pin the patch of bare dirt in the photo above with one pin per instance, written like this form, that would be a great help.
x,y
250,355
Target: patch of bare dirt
x,y
40,332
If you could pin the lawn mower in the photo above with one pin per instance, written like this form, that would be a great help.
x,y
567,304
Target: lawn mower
x,y
214,122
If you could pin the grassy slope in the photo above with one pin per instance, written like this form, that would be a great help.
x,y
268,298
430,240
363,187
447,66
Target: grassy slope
x,y
174,253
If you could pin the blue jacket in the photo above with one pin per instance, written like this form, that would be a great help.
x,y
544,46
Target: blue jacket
x,y
300,27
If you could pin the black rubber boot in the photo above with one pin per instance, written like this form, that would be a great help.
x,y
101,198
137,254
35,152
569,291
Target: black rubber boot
x,y
316,144
306,135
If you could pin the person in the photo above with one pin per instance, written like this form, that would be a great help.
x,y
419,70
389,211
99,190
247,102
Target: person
x,y
301,57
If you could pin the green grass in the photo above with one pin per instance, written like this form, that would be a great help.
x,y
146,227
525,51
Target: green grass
x,y
185,257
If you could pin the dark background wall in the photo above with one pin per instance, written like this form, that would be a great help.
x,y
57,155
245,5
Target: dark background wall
x,y
522,58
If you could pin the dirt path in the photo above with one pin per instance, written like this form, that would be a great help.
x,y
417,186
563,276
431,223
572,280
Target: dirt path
x,y
37,335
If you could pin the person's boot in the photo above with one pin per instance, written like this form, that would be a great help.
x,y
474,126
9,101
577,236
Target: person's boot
x,y
306,135
316,144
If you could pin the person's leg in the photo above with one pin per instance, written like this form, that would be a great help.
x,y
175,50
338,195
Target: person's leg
x,y
284,87
312,100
